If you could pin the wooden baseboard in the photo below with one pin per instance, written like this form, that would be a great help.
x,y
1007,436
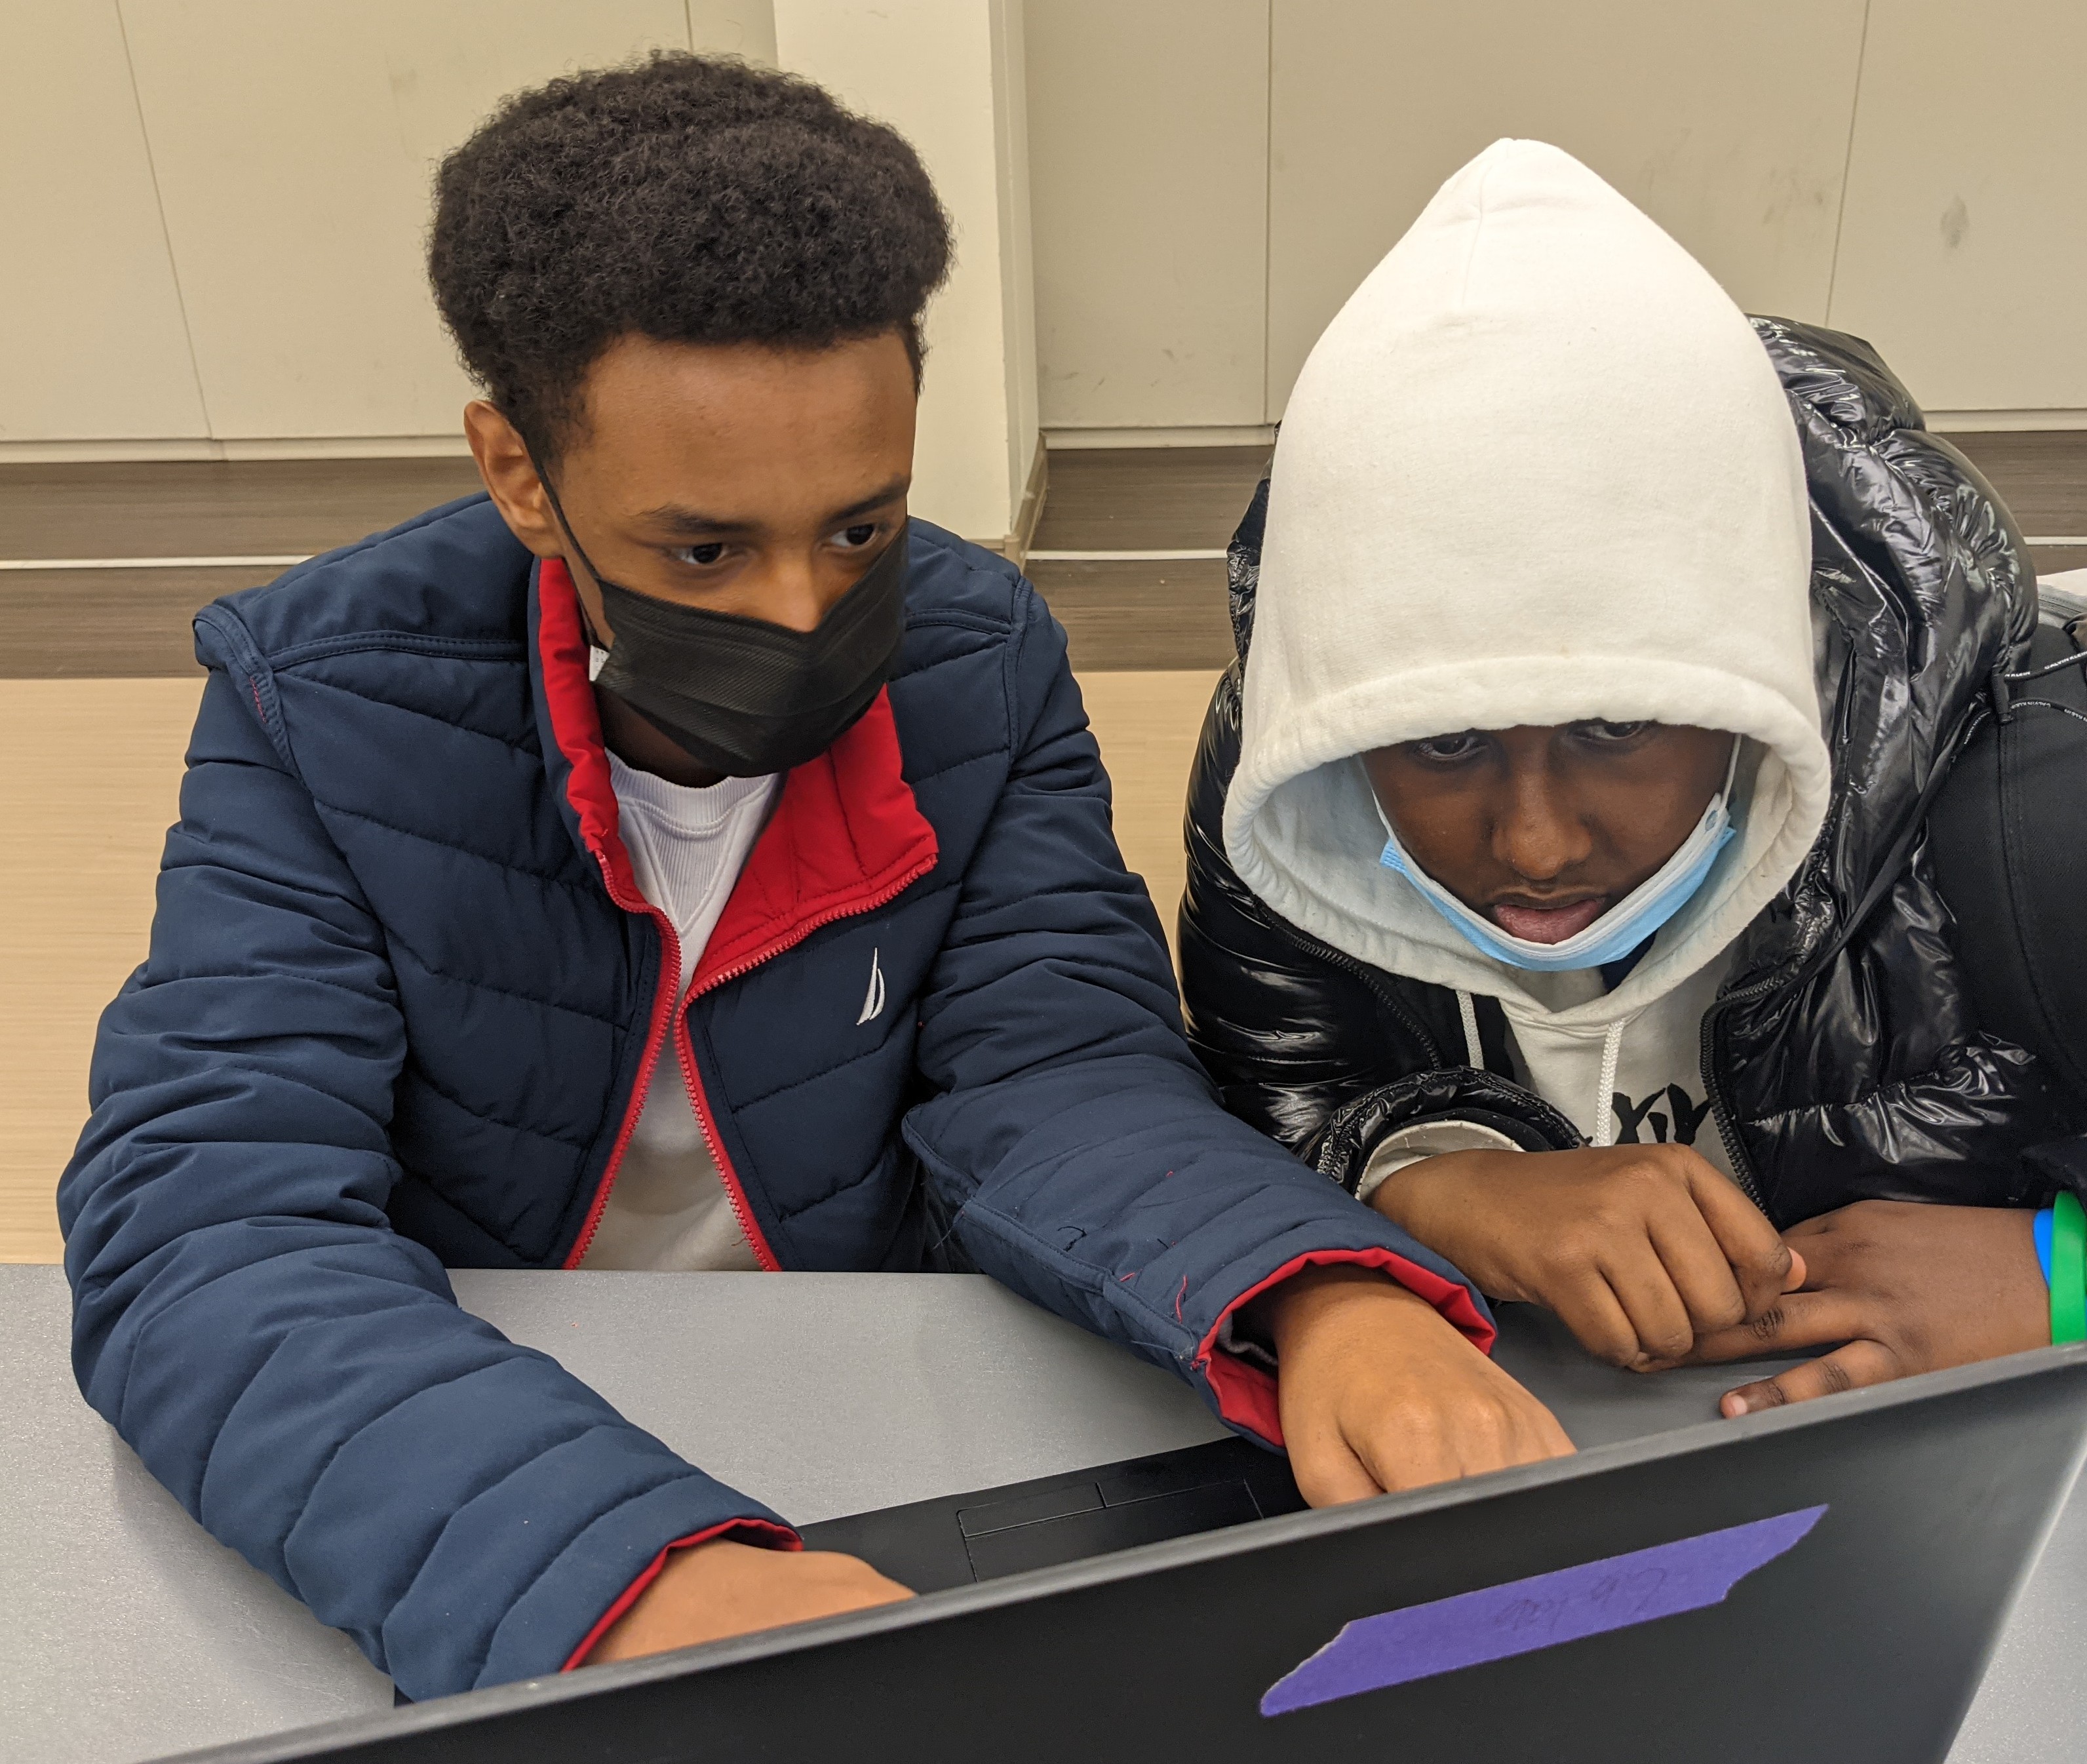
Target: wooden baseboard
x,y
1194,435
1959,422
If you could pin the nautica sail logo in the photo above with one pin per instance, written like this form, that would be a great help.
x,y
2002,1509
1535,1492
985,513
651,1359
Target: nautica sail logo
x,y
1520,1617
872,1002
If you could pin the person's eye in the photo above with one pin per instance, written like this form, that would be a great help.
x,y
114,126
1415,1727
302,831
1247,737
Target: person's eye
x,y
1596,729
701,556
1442,749
855,537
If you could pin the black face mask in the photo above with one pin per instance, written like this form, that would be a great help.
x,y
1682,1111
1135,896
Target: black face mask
x,y
740,696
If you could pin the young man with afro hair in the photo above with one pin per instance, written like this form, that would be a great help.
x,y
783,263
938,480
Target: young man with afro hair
x,y
672,858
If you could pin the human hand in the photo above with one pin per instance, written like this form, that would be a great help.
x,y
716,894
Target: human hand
x,y
1909,1286
1378,1392
1640,1250
711,1590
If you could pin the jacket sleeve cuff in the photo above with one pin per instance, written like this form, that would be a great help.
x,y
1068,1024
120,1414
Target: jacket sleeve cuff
x,y
1245,1391
758,1531
1424,1139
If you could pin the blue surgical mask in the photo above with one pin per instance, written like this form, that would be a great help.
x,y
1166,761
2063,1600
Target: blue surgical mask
x,y
1620,930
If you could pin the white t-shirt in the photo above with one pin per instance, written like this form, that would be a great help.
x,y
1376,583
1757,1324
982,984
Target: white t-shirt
x,y
668,1208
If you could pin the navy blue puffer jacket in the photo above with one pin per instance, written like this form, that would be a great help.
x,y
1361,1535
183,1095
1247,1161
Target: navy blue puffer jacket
x,y
402,1001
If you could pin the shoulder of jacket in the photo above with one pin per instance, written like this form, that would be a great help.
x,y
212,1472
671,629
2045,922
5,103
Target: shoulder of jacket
x,y
957,581
454,578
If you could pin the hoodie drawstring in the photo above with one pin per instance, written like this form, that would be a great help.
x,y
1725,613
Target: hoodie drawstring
x,y
1613,1048
1612,1051
1474,1055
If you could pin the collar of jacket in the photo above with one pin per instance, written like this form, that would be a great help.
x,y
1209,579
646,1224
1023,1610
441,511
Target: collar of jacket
x,y
846,836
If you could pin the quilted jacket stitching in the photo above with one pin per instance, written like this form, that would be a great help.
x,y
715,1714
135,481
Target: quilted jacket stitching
x,y
996,632
578,885
420,1075
492,651
740,1105
398,941
527,1255
526,747
835,1192
957,765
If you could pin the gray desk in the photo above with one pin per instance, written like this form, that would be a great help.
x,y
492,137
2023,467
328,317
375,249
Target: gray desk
x,y
132,1635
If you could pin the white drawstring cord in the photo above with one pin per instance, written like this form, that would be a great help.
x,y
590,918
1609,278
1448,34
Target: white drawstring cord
x,y
1474,1055
1613,1048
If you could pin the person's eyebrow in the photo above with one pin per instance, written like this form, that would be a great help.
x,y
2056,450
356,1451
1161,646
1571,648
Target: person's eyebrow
x,y
686,523
889,493
691,523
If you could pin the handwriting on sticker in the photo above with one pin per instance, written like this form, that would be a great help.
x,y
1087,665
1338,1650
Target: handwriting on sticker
x,y
1520,1617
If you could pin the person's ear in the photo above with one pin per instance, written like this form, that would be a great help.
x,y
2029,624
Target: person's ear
x,y
511,477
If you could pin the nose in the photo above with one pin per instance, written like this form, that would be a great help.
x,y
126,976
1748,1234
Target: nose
x,y
1537,833
790,594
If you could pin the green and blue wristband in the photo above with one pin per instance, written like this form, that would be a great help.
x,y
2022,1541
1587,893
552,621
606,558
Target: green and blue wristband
x,y
2061,1249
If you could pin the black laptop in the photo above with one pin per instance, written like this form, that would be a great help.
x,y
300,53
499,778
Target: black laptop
x,y
1822,1582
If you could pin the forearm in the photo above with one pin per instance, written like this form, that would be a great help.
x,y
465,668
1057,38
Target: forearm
x,y
1126,1200
462,1507
1404,1147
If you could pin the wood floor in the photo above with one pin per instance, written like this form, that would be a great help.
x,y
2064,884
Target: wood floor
x,y
93,769
98,687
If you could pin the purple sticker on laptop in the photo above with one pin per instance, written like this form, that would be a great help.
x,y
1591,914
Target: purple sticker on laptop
x,y
1521,1617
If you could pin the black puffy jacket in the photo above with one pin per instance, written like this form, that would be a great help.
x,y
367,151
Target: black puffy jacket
x,y
1842,1059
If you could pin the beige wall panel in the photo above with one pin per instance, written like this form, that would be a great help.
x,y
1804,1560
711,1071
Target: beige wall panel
x,y
1018,250
295,144
946,74
96,344
1728,124
1964,252
744,27
1148,174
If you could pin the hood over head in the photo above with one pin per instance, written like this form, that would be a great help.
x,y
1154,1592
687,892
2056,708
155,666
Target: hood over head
x,y
1539,469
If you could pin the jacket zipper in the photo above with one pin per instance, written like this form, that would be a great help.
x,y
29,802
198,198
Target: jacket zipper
x,y
1735,1153
685,1052
656,1040
1368,976
734,1192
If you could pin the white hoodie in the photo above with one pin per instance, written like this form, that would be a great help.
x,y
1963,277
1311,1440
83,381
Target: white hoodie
x,y
1539,469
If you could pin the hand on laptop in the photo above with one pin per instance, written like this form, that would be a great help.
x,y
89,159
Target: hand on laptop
x,y
1907,1286
1641,1250
711,1590
1377,1392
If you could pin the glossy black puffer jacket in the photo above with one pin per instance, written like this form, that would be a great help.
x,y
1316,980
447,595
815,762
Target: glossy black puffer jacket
x,y
1842,1060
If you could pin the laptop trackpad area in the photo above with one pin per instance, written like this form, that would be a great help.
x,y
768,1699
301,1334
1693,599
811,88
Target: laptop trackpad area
x,y
960,1538
1068,1524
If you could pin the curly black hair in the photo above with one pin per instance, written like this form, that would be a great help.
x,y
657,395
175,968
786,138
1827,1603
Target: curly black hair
x,y
682,198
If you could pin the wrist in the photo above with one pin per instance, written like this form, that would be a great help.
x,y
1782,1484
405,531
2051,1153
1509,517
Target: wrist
x,y
1441,1202
1386,1192
1304,1301
1402,1195
680,1581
